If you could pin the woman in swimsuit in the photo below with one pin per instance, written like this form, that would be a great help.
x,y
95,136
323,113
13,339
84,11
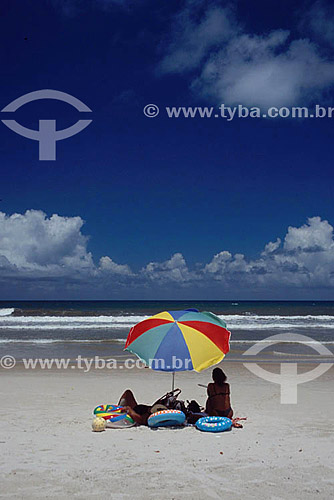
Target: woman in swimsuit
x,y
139,413
218,402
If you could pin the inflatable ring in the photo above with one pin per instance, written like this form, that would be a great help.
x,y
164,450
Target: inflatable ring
x,y
214,424
123,423
109,412
166,418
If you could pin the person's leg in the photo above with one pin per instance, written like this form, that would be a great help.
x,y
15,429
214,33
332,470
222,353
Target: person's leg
x,y
127,399
236,422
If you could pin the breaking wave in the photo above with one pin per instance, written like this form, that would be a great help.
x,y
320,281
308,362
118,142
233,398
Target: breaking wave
x,y
246,322
6,312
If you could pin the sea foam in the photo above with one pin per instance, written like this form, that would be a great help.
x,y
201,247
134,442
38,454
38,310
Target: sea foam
x,y
247,322
6,312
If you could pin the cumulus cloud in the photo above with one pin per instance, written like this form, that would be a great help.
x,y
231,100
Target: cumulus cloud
x,y
224,263
33,244
108,265
316,236
304,259
173,270
271,247
32,241
231,66
41,254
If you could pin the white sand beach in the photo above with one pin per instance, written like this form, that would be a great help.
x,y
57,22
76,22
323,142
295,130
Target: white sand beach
x,y
48,449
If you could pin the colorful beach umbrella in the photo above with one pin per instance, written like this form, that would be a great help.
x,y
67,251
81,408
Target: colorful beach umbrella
x,y
180,340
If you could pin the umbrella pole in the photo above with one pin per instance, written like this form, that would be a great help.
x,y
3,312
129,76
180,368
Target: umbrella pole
x,y
173,377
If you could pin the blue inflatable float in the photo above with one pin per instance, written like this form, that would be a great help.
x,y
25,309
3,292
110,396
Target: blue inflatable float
x,y
166,418
214,424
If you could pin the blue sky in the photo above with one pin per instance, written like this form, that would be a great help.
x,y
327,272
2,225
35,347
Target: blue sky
x,y
152,188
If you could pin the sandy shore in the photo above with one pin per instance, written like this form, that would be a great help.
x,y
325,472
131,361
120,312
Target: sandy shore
x,y
49,451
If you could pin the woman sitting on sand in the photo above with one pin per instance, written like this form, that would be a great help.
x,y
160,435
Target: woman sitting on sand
x,y
218,402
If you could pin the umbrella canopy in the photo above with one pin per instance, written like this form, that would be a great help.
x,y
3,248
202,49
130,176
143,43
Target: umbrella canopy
x,y
180,340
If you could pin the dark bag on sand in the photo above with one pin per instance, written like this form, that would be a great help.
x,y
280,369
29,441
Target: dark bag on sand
x,y
193,417
193,406
171,402
194,412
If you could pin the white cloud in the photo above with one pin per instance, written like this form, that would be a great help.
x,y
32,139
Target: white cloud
x,y
32,241
41,254
232,67
173,270
271,247
306,258
316,236
33,244
108,265
228,268
255,70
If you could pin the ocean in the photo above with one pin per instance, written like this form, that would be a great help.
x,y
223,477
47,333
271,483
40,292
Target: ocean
x,y
51,329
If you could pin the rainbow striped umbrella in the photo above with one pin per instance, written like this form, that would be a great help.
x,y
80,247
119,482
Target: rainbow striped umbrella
x,y
180,340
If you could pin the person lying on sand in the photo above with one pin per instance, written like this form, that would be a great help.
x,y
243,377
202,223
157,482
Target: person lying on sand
x,y
218,402
139,413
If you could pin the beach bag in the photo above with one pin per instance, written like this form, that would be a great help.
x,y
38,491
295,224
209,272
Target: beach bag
x,y
193,406
193,417
169,398
194,412
171,402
